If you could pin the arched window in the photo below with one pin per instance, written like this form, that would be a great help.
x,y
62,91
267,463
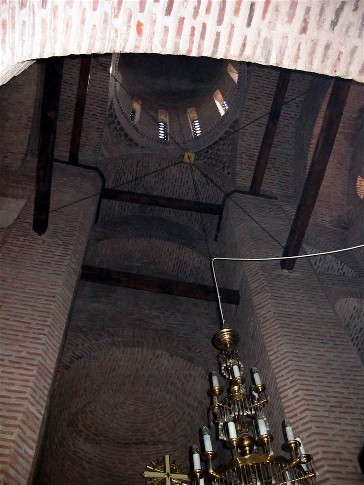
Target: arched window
x,y
360,187
135,111
233,72
194,122
163,125
221,104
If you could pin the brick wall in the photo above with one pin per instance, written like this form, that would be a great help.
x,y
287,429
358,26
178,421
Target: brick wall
x,y
17,108
314,363
132,385
38,277
279,177
320,36
95,109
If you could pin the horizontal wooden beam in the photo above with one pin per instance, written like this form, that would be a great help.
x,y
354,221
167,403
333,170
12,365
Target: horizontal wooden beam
x,y
320,159
158,285
161,201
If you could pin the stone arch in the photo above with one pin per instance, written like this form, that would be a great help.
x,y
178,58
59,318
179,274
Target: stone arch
x,y
297,35
177,251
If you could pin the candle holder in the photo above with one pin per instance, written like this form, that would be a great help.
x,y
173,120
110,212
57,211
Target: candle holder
x,y
216,391
241,424
208,456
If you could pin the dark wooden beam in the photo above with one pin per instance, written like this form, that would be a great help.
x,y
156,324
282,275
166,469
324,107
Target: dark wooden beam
x,y
270,131
83,79
316,173
158,285
47,138
160,201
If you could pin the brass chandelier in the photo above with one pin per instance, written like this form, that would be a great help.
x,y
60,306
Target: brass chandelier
x,y
240,423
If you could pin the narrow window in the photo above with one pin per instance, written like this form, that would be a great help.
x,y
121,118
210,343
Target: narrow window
x,y
233,72
194,122
221,104
360,187
135,111
163,125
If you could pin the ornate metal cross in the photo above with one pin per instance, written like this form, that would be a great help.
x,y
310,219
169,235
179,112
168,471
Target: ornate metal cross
x,y
166,474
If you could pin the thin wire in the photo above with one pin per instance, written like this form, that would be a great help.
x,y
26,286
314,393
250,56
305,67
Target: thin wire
x,y
238,129
271,258
238,205
310,255
116,186
200,213
267,113
217,292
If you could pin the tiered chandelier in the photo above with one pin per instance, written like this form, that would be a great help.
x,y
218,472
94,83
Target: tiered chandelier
x,y
242,426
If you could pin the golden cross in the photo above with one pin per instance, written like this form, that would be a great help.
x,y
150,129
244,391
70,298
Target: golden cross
x,y
169,477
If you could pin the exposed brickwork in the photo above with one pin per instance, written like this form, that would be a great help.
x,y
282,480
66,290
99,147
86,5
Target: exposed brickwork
x,y
109,339
127,87
299,329
160,176
95,110
310,360
351,313
38,277
320,36
17,101
135,243
279,178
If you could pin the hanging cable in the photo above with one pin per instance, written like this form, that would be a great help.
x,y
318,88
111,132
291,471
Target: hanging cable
x,y
238,205
271,258
320,83
118,186
200,213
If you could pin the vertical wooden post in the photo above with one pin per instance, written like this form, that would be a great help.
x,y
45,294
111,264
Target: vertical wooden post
x,y
47,138
315,176
83,79
270,131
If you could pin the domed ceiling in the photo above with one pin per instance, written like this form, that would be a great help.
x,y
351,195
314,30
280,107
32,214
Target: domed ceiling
x,y
177,90
170,80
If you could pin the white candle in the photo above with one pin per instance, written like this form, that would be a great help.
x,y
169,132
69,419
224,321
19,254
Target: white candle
x,y
287,476
206,439
196,461
236,371
202,481
302,450
256,377
232,430
262,427
215,380
289,431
